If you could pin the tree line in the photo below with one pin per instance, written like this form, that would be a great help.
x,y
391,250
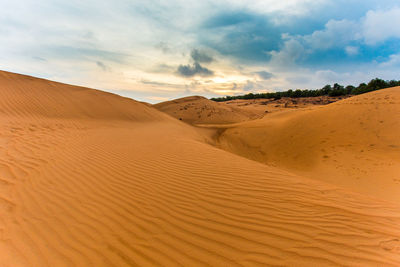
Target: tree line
x,y
327,90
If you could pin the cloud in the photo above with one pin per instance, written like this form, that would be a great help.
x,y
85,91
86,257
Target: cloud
x,y
298,80
291,51
162,68
341,42
201,57
240,35
230,18
39,58
102,66
159,99
159,84
352,50
265,75
380,25
335,34
293,38
330,44
249,86
287,7
83,53
195,70
164,47
394,60
327,75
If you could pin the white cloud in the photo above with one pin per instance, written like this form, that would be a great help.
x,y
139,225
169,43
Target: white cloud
x,y
289,7
327,75
335,34
376,26
291,51
380,25
351,50
394,60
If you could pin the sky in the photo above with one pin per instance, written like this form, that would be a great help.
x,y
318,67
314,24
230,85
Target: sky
x,y
159,50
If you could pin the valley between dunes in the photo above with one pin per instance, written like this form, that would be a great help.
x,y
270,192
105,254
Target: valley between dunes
x,y
88,178
353,143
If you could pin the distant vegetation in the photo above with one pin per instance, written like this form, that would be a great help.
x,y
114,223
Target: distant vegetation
x,y
327,90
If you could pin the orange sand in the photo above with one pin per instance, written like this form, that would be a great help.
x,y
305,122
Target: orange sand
x,y
88,178
200,110
354,143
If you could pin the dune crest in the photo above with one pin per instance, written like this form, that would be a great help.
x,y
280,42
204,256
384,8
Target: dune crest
x,y
26,96
200,110
88,178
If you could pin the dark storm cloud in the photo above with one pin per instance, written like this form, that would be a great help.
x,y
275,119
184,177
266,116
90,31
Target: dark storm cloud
x,y
194,70
241,35
201,57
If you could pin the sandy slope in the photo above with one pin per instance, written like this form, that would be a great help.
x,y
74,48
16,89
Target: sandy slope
x,y
141,188
22,96
200,110
353,143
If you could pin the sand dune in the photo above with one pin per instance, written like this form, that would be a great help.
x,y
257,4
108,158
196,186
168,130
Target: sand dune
x,y
272,105
35,97
93,179
200,110
353,143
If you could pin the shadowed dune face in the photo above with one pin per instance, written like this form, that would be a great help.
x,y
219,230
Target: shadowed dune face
x,y
144,189
200,110
353,142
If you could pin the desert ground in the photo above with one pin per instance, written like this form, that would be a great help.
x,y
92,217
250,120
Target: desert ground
x,y
89,178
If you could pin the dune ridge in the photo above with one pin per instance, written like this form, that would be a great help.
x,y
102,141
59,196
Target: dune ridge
x,y
34,97
139,188
200,110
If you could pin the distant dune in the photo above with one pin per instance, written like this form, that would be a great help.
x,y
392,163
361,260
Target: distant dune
x,y
88,178
353,143
200,110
